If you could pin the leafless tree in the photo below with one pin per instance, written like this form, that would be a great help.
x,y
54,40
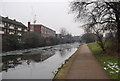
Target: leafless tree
x,y
102,16
63,31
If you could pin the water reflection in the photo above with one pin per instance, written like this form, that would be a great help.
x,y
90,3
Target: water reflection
x,y
12,61
36,64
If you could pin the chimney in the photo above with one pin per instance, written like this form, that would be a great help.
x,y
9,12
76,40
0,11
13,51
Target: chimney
x,y
28,26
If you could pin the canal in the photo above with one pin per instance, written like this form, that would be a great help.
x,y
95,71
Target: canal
x,y
38,63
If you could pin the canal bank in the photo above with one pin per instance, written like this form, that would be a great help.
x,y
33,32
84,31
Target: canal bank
x,y
82,65
64,69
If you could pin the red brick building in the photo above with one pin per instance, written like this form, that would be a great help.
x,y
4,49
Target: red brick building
x,y
43,30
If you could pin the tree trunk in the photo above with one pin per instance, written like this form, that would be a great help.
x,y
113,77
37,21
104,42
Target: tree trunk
x,y
118,32
101,44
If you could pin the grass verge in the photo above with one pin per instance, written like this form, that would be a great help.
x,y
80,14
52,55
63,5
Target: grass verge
x,y
109,63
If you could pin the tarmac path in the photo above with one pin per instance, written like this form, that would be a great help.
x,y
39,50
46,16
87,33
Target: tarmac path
x,y
86,66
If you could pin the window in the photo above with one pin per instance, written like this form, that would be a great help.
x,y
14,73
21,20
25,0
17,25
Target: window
x,y
5,23
11,27
1,32
19,29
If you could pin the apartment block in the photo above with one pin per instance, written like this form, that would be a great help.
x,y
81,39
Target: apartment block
x,y
9,26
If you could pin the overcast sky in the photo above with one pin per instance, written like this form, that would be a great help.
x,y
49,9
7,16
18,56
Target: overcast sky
x,y
51,13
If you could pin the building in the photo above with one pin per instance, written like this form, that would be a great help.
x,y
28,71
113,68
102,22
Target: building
x,y
43,30
9,26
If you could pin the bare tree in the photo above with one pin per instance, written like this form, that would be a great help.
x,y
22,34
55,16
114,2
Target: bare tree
x,y
63,31
102,16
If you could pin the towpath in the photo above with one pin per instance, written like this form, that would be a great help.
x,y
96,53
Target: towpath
x,y
86,66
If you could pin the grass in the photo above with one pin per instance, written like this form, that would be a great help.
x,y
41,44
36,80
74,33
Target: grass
x,y
109,63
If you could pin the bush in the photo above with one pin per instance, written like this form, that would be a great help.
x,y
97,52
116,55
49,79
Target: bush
x,y
32,40
10,42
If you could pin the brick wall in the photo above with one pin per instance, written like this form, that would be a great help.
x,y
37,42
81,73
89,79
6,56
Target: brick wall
x,y
37,28
43,30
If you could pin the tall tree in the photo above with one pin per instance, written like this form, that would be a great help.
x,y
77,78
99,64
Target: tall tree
x,y
63,31
101,16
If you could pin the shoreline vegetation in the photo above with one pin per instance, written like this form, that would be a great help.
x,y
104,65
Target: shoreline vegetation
x,y
63,70
109,63
32,40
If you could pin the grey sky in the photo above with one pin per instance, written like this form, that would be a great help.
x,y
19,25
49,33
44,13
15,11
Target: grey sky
x,y
53,14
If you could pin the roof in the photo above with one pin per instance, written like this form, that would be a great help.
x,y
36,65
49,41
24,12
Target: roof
x,y
6,19
42,25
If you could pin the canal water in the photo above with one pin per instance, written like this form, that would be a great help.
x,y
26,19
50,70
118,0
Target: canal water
x,y
38,63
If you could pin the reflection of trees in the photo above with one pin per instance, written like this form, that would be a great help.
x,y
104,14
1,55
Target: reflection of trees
x,y
64,49
62,52
41,57
68,49
37,58
11,61
28,62
11,64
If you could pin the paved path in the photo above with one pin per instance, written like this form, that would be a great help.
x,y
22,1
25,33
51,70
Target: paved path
x,y
85,66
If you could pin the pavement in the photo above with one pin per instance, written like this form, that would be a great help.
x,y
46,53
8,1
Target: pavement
x,y
86,66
